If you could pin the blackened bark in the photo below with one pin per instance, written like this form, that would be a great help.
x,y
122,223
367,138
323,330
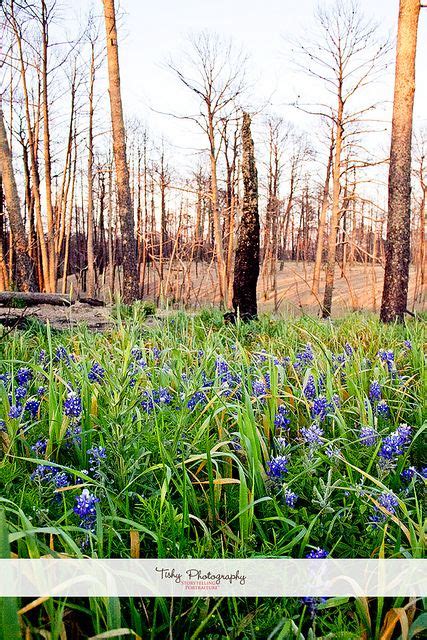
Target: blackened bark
x,y
246,269
396,277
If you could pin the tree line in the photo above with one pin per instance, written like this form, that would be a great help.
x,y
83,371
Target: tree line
x,y
107,209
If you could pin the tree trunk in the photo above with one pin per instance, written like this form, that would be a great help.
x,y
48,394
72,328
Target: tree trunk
x,y
24,267
322,223
129,257
246,268
396,277
90,280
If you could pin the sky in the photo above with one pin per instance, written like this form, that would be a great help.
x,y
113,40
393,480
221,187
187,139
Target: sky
x,y
150,32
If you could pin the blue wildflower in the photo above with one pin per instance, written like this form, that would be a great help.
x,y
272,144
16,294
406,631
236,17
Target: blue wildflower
x,y
96,373
277,467
309,389
320,409
23,376
39,447
368,436
375,391
313,434
86,509
291,498
383,409
304,358
32,406
408,474
281,420
73,405
198,398
15,411
20,393
317,554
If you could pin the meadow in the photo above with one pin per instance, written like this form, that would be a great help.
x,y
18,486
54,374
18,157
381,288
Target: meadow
x,y
188,437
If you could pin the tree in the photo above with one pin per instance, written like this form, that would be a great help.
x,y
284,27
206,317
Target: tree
x,y
345,58
218,82
246,267
125,206
396,277
24,268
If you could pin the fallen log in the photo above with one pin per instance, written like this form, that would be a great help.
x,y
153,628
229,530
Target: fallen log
x,y
29,299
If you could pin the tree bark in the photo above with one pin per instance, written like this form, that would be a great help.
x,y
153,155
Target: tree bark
x,y
396,277
90,280
130,257
24,266
246,268
322,223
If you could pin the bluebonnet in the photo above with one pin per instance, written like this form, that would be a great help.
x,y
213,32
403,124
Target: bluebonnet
x,y
44,472
96,373
5,379
388,501
368,436
423,472
408,344
20,393
332,451
312,604
23,376
281,420
2,425
320,408
61,480
259,388
73,436
39,447
387,356
317,554
408,474
309,389
277,467
348,349
136,353
32,406
15,411
312,434
383,410
42,356
41,390
156,353
197,398
394,444
86,509
290,498
235,444
96,455
375,391
73,405
304,358
155,397
61,354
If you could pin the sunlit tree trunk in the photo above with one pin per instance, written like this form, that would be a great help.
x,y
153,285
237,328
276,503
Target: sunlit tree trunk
x,y
90,281
129,248
396,277
322,223
24,267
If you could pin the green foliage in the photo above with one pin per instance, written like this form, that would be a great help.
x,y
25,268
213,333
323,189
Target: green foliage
x,y
189,474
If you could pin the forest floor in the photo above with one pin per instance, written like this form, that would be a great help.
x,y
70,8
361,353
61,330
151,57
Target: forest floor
x,y
360,289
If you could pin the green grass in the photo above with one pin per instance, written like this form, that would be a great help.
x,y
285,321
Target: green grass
x,y
165,480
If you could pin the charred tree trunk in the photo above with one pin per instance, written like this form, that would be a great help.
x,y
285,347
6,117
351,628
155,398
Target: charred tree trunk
x,y
396,277
24,267
246,268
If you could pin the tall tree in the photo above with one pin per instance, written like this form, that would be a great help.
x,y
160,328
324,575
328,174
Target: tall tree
x,y
246,267
396,277
24,267
125,206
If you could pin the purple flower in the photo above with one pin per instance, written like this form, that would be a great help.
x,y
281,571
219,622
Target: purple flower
x,y
23,376
15,411
304,358
387,357
348,349
408,474
2,426
96,455
96,373
394,444
375,391
408,344
41,391
73,405
277,467
197,398
281,420
32,406
86,509
388,501
309,389
368,436
39,447
20,393
259,388
312,604
313,434
383,409
320,409
317,554
61,479
290,498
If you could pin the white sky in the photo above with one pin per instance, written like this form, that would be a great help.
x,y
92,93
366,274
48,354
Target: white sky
x,y
152,30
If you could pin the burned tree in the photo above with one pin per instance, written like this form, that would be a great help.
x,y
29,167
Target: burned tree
x,y
246,268
396,277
